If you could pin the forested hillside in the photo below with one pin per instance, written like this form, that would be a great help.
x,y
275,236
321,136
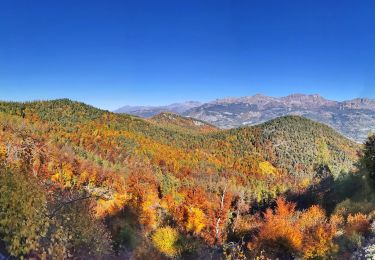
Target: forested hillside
x,y
94,184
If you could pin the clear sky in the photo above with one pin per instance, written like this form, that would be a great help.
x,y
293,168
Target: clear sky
x,y
114,53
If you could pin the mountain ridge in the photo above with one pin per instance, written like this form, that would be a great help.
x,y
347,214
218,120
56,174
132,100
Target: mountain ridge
x,y
355,118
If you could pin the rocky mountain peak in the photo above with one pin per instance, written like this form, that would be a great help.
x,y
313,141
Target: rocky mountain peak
x,y
359,103
302,100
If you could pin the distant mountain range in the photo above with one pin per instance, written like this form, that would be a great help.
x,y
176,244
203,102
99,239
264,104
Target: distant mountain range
x,y
354,118
150,111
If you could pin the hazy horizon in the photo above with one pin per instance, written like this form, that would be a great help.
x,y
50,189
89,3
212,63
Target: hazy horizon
x,y
181,101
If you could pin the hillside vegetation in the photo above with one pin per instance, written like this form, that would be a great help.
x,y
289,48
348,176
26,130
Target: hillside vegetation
x,y
164,187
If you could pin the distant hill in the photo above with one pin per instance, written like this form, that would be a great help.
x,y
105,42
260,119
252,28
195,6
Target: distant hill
x,y
296,140
149,111
167,119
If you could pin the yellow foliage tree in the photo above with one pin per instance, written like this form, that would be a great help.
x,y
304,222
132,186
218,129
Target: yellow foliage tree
x,y
165,240
67,174
196,220
267,168
148,214
3,153
108,207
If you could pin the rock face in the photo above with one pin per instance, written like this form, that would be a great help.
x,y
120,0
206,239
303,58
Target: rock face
x,y
353,118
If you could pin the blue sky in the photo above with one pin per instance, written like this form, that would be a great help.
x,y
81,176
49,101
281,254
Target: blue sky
x,y
114,53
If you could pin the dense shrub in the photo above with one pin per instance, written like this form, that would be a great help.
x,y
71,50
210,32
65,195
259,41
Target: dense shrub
x,y
23,215
369,156
358,223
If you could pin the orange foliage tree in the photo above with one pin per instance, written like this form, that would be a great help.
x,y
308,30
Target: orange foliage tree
x,y
288,232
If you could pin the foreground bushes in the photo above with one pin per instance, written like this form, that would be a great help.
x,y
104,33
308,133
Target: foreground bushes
x,y
31,227
23,214
286,232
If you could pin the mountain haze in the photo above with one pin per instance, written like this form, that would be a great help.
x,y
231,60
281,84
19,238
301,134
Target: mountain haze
x,y
149,111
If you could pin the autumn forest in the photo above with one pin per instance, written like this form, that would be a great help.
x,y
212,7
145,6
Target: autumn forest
x,y
84,183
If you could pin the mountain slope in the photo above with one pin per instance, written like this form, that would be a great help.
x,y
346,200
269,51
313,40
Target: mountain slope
x,y
93,131
353,118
